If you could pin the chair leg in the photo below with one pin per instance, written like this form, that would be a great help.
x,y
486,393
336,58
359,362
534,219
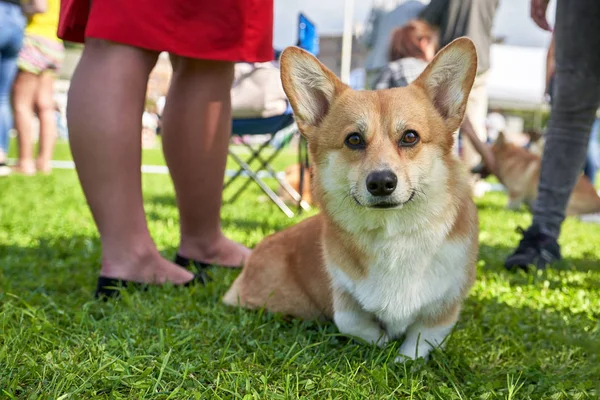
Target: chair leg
x,y
268,191
266,164
296,196
253,156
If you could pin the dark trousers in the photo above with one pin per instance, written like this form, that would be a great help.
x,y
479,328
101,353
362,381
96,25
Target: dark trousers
x,y
575,101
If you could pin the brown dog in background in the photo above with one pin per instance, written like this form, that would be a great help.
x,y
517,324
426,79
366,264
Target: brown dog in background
x,y
519,171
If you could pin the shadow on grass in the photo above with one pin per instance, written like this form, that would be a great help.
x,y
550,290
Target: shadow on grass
x,y
52,265
546,350
61,260
494,256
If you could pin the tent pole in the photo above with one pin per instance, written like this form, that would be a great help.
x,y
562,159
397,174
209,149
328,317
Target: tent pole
x,y
347,41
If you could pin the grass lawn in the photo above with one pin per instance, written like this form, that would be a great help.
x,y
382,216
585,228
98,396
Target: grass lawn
x,y
155,156
520,336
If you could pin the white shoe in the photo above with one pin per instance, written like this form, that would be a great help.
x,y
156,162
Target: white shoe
x,y
5,170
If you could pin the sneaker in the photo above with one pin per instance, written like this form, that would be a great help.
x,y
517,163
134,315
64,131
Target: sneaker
x,y
536,248
5,169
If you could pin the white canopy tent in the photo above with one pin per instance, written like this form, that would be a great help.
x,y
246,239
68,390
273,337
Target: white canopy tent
x,y
517,77
347,40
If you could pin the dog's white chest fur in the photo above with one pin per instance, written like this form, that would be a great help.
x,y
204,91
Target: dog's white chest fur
x,y
408,277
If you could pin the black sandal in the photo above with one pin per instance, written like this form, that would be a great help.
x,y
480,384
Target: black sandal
x,y
109,288
198,266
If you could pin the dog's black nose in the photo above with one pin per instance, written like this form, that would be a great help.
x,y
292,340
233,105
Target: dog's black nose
x,y
381,183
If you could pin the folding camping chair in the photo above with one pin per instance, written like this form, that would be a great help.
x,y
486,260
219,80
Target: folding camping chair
x,y
268,127
308,40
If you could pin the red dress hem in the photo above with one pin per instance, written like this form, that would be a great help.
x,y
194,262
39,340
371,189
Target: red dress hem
x,y
224,30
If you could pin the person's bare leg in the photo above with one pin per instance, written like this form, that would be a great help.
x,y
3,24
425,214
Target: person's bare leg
x,y
197,126
104,110
23,98
44,103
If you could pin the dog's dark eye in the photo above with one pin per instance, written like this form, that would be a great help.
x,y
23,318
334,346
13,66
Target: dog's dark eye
x,y
410,138
355,141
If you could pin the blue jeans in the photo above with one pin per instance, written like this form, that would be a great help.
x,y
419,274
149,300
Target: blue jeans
x,y
592,162
12,22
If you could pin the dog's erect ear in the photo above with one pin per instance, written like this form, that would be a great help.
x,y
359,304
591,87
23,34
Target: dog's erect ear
x,y
309,85
448,79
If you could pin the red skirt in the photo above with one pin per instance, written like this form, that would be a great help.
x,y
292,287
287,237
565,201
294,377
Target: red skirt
x,y
225,30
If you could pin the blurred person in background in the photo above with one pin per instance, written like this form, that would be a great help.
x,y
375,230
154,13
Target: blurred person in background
x,y
576,97
33,93
385,17
412,47
474,19
12,23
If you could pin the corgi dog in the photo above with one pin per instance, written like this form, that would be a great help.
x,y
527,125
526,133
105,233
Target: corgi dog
x,y
519,171
393,252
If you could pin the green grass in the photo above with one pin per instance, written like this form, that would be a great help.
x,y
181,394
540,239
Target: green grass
x,y
520,336
154,156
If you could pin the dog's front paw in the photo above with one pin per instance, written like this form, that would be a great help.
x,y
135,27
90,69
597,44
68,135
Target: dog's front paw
x,y
362,326
402,358
420,341
371,335
382,340
405,354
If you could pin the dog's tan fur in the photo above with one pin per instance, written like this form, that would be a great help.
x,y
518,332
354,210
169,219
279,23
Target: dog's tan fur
x,y
378,273
271,277
519,171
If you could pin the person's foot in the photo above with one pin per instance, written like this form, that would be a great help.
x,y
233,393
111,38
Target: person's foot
x,y
143,267
222,251
536,249
43,167
24,168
